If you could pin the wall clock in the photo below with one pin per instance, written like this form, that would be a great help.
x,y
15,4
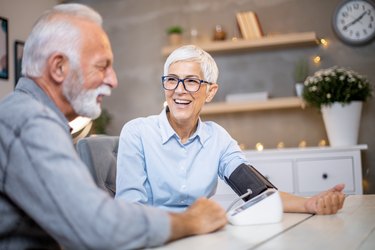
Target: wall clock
x,y
354,21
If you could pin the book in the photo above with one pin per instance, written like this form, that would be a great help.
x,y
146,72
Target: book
x,y
249,25
243,27
255,25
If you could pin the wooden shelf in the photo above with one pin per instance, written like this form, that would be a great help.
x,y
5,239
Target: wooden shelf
x,y
267,42
271,104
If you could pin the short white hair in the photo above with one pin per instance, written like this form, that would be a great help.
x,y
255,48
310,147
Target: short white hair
x,y
54,32
192,53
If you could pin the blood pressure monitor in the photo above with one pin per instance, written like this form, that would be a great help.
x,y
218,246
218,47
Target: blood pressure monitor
x,y
263,208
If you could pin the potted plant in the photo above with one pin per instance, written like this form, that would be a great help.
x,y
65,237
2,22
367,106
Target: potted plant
x,y
301,72
175,35
101,123
339,93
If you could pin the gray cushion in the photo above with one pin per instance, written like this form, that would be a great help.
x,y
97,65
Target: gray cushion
x,y
99,153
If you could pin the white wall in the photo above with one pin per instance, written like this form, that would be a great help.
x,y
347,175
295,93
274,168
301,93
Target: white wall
x,y
137,33
21,16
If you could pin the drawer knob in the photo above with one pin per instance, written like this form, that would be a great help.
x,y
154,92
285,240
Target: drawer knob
x,y
325,176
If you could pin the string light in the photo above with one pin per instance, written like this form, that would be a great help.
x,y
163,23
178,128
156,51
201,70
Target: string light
x,y
317,59
322,143
302,144
324,42
259,146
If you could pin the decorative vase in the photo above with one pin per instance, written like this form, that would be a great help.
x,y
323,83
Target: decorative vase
x,y
342,122
299,89
219,33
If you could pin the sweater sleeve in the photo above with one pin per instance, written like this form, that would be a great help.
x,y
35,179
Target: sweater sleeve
x,y
47,180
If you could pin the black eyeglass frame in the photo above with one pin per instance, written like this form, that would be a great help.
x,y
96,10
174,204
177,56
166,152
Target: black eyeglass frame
x,y
183,83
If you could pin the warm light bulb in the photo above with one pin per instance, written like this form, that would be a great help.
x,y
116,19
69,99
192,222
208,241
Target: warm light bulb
x,y
259,146
302,144
317,59
280,145
323,42
322,143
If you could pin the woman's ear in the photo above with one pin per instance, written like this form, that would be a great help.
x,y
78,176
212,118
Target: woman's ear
x,y
58,66
212,89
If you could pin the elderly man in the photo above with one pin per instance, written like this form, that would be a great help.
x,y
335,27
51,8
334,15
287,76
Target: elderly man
x,y
48,199
171,159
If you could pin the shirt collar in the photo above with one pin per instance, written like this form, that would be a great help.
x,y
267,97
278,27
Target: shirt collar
x,y
167,132
28,86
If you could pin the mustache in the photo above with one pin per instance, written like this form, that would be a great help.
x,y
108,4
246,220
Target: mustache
x,y
103,90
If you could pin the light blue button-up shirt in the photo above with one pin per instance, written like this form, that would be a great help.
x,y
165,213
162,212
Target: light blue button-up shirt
x,y
155,168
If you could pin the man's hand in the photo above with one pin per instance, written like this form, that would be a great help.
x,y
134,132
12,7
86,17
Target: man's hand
x,y
328,202
203,216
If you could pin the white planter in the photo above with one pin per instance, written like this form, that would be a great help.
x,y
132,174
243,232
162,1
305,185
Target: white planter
x,y
342,123
299,89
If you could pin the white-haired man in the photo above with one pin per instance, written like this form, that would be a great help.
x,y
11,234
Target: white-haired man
x,y
48,199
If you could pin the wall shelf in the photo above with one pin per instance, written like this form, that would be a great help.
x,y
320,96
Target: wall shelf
x,y
271,104
268,42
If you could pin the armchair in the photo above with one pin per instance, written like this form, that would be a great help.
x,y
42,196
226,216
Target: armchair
x,y
99,153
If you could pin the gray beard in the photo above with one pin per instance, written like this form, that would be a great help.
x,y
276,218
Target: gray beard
x,y
83,101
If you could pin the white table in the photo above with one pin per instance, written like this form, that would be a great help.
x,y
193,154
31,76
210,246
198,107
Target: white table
x,y
352,228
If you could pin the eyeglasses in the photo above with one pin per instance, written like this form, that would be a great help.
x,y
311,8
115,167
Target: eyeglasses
x,y
190,84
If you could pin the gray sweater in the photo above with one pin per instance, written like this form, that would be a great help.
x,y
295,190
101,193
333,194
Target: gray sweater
x,y
48,198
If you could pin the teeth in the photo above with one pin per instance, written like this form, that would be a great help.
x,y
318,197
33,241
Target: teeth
x,y
181,101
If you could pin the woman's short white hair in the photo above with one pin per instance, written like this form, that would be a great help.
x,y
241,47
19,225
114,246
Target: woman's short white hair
x,y
192,53
54,32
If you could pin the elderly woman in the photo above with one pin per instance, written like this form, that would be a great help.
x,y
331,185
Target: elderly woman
x,y
171,159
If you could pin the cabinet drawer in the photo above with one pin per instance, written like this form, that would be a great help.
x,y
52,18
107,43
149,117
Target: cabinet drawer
x,y
316,175
278,172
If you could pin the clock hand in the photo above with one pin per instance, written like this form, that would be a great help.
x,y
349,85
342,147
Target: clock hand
x,y
354,21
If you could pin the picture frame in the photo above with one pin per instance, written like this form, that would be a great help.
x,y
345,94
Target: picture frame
x,y
4,60
18,54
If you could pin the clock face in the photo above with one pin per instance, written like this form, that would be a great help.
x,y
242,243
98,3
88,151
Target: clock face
x,y
354,21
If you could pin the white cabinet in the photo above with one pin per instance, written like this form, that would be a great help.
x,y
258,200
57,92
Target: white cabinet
x,y
279,173
307,171
304,171
315,175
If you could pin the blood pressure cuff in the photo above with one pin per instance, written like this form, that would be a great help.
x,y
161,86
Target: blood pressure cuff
x,y
246,177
